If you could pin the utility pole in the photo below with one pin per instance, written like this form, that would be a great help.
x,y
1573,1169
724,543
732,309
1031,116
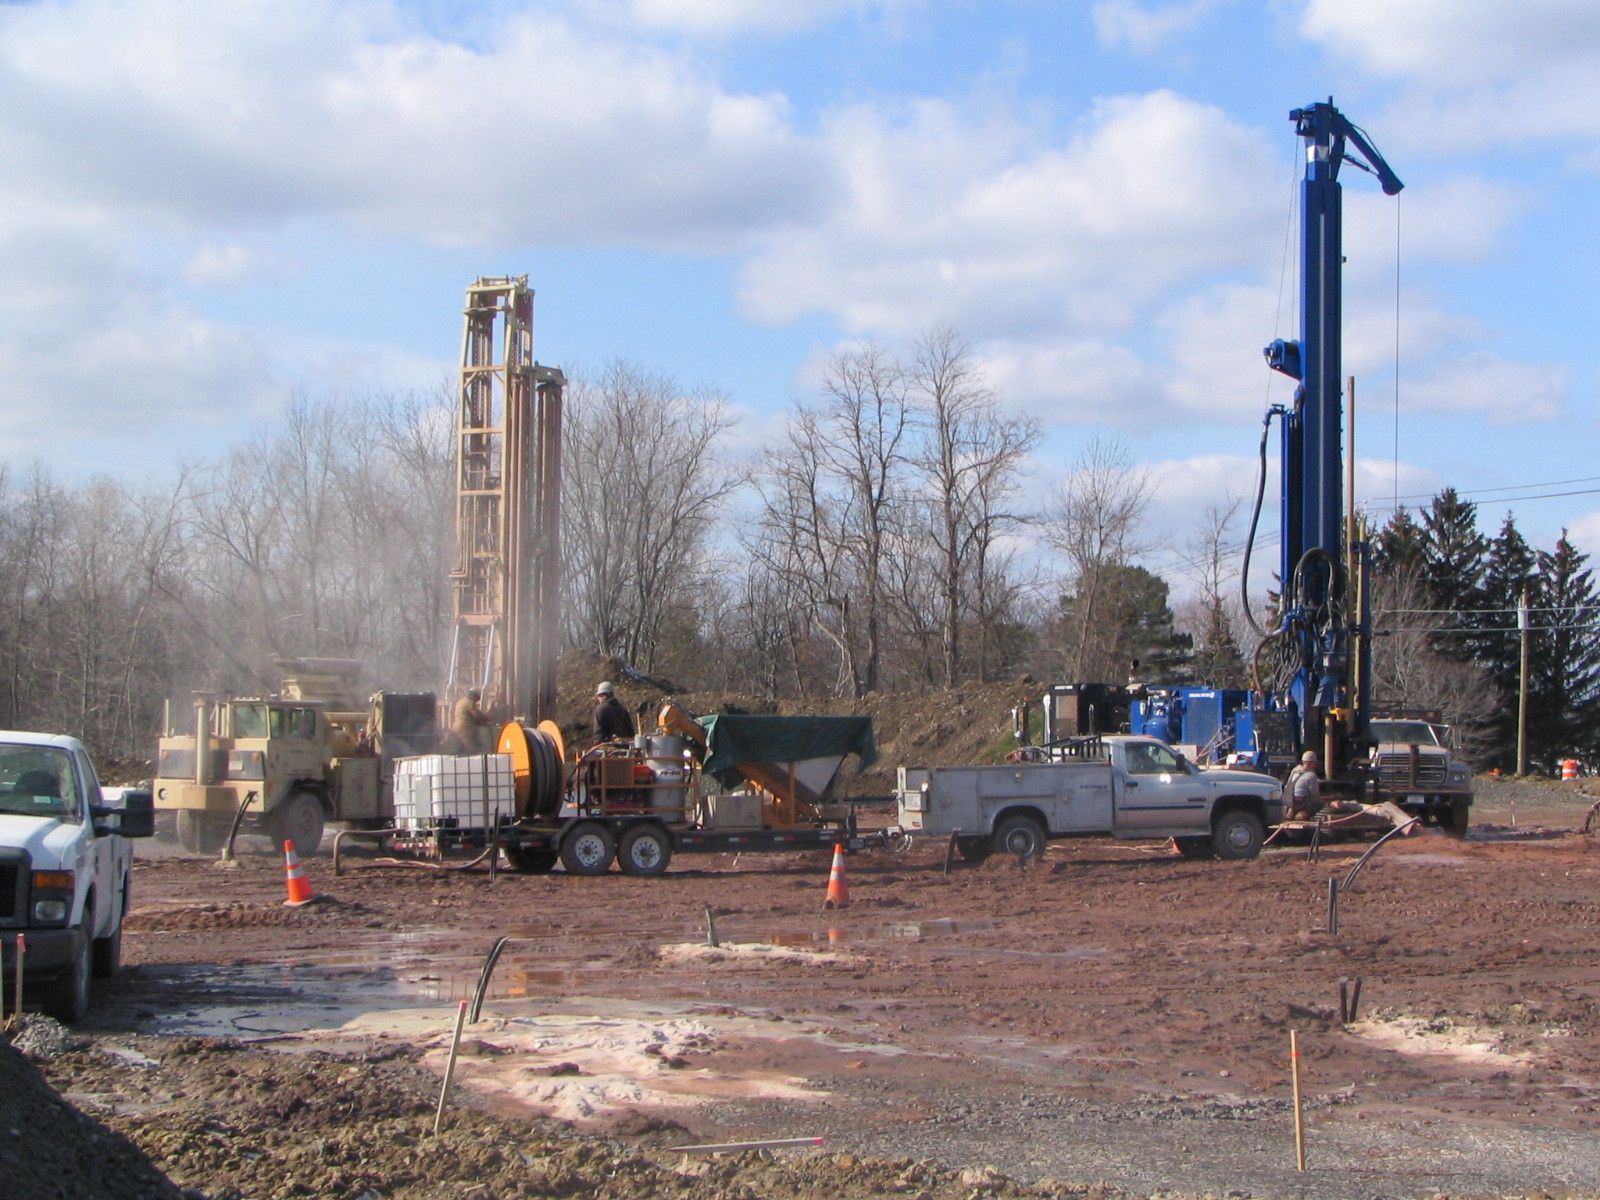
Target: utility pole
x,y
1522,688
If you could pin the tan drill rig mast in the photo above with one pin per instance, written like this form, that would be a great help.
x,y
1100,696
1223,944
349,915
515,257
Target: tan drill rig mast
x,y
506,578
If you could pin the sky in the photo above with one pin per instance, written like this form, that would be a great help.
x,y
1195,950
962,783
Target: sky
x,y
206,208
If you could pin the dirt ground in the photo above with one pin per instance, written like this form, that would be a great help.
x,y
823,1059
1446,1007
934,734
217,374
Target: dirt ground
x,y
1111,1020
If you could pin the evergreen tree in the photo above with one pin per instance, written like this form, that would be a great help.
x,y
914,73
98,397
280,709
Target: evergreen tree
x,y
1509,567
1564,676
1398,545
1452,568
1132,621
1219,660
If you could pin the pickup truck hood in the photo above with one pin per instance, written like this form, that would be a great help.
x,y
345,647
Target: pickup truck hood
x,y
51,843
1251,781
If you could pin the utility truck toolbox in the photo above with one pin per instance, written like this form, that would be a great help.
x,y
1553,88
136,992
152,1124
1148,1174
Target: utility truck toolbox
x,y
1124,786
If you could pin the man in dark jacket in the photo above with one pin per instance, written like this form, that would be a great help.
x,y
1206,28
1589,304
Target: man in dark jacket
x,y
611,719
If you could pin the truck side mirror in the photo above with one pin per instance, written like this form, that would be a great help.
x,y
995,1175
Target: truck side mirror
x,y
133,817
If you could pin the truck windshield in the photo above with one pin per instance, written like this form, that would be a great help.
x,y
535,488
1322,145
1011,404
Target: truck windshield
x,y
37,781
1145,758
250,720
1406,733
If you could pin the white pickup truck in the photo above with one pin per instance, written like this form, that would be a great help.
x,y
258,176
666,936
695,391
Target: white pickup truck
x,y
1125,786
66,868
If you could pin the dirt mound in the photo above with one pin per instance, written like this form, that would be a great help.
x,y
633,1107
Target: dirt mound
x,y
164,918
238,1123
930,728
49,1149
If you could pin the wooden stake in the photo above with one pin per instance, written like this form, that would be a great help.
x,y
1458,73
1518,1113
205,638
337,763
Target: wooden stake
x,y
450,1066
1299,1118
22,952
1333,904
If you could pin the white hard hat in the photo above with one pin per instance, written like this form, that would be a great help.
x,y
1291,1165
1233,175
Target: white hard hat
x,y
604,689
1309,756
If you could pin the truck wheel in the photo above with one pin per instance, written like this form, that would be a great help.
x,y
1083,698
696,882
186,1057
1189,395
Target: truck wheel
x,y
299,820
67,999
108,950
973,850
1020,836
588,849
530,862
1237,834
1196,847
200,832
644,850
1459,817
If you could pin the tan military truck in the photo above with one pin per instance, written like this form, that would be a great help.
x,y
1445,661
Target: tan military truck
x,y
291,761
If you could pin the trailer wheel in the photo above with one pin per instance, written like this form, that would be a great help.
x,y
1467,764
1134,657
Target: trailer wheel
x,y
644,850
530,862
588,849
1019,836
1196,847
1237,834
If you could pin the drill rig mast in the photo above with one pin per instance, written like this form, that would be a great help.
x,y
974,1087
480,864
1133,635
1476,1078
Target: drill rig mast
x,y
506,579
1325,674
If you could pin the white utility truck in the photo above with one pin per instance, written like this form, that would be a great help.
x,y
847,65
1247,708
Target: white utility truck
x,y
66,868
1124,786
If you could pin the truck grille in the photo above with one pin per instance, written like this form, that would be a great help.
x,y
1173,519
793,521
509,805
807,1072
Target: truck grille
x,y
1394,771
13,885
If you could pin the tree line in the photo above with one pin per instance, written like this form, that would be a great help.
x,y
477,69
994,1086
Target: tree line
x,y
884,535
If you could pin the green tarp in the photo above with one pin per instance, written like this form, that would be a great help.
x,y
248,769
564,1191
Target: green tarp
x,y
733,738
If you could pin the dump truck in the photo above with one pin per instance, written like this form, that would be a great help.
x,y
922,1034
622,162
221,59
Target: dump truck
x,y
715,784
1124,786
66,869
286,764
1414,763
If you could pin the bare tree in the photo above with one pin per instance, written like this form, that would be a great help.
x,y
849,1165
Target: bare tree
x,y
1093,523
970,455
1219,660
642,486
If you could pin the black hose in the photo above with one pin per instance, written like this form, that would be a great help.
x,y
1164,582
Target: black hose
x,y
1250,540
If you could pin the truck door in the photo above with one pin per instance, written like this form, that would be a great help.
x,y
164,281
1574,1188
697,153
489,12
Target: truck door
x,y
1158,794
102,850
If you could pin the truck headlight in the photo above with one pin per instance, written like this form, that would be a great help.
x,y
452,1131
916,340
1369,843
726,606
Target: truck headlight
x,y
1460,774
52,897
49,912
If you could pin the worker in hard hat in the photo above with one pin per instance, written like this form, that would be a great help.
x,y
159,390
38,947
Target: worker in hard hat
x,y
611,719
1302,791
468,722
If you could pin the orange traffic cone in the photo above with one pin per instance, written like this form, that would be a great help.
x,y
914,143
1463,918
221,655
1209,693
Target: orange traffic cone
x,y
838,894
299,886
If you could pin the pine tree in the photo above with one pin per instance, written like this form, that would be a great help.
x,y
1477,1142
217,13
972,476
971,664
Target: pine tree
x,y
1564,678
1452,568
1398,545
1509,567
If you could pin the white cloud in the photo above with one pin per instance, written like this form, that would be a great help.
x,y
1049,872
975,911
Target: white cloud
x,y
225,265
197,115
1482,383
1482,70
1072,382
946,219
1145,27
723,17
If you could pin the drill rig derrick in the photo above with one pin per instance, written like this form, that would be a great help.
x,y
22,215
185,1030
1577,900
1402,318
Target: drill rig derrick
x,y
1322,634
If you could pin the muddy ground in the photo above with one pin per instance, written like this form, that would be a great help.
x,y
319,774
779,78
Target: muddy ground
x,y
1111,1020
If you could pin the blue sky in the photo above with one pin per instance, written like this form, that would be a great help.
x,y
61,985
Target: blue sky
x,y
208,206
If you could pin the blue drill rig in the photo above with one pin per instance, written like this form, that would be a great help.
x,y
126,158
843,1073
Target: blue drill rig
x,y
1313,671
